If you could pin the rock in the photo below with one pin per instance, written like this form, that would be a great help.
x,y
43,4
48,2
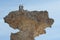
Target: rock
x,y
30,23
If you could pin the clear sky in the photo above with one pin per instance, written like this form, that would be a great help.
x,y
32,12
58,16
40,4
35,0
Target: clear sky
x,y
52,6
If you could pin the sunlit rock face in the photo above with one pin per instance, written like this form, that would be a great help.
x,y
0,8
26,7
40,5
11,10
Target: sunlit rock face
x,y
30,23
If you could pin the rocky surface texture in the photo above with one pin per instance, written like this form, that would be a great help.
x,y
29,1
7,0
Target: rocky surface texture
x,y
30,23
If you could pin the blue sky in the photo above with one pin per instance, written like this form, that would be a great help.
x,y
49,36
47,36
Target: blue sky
x,y
52,6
